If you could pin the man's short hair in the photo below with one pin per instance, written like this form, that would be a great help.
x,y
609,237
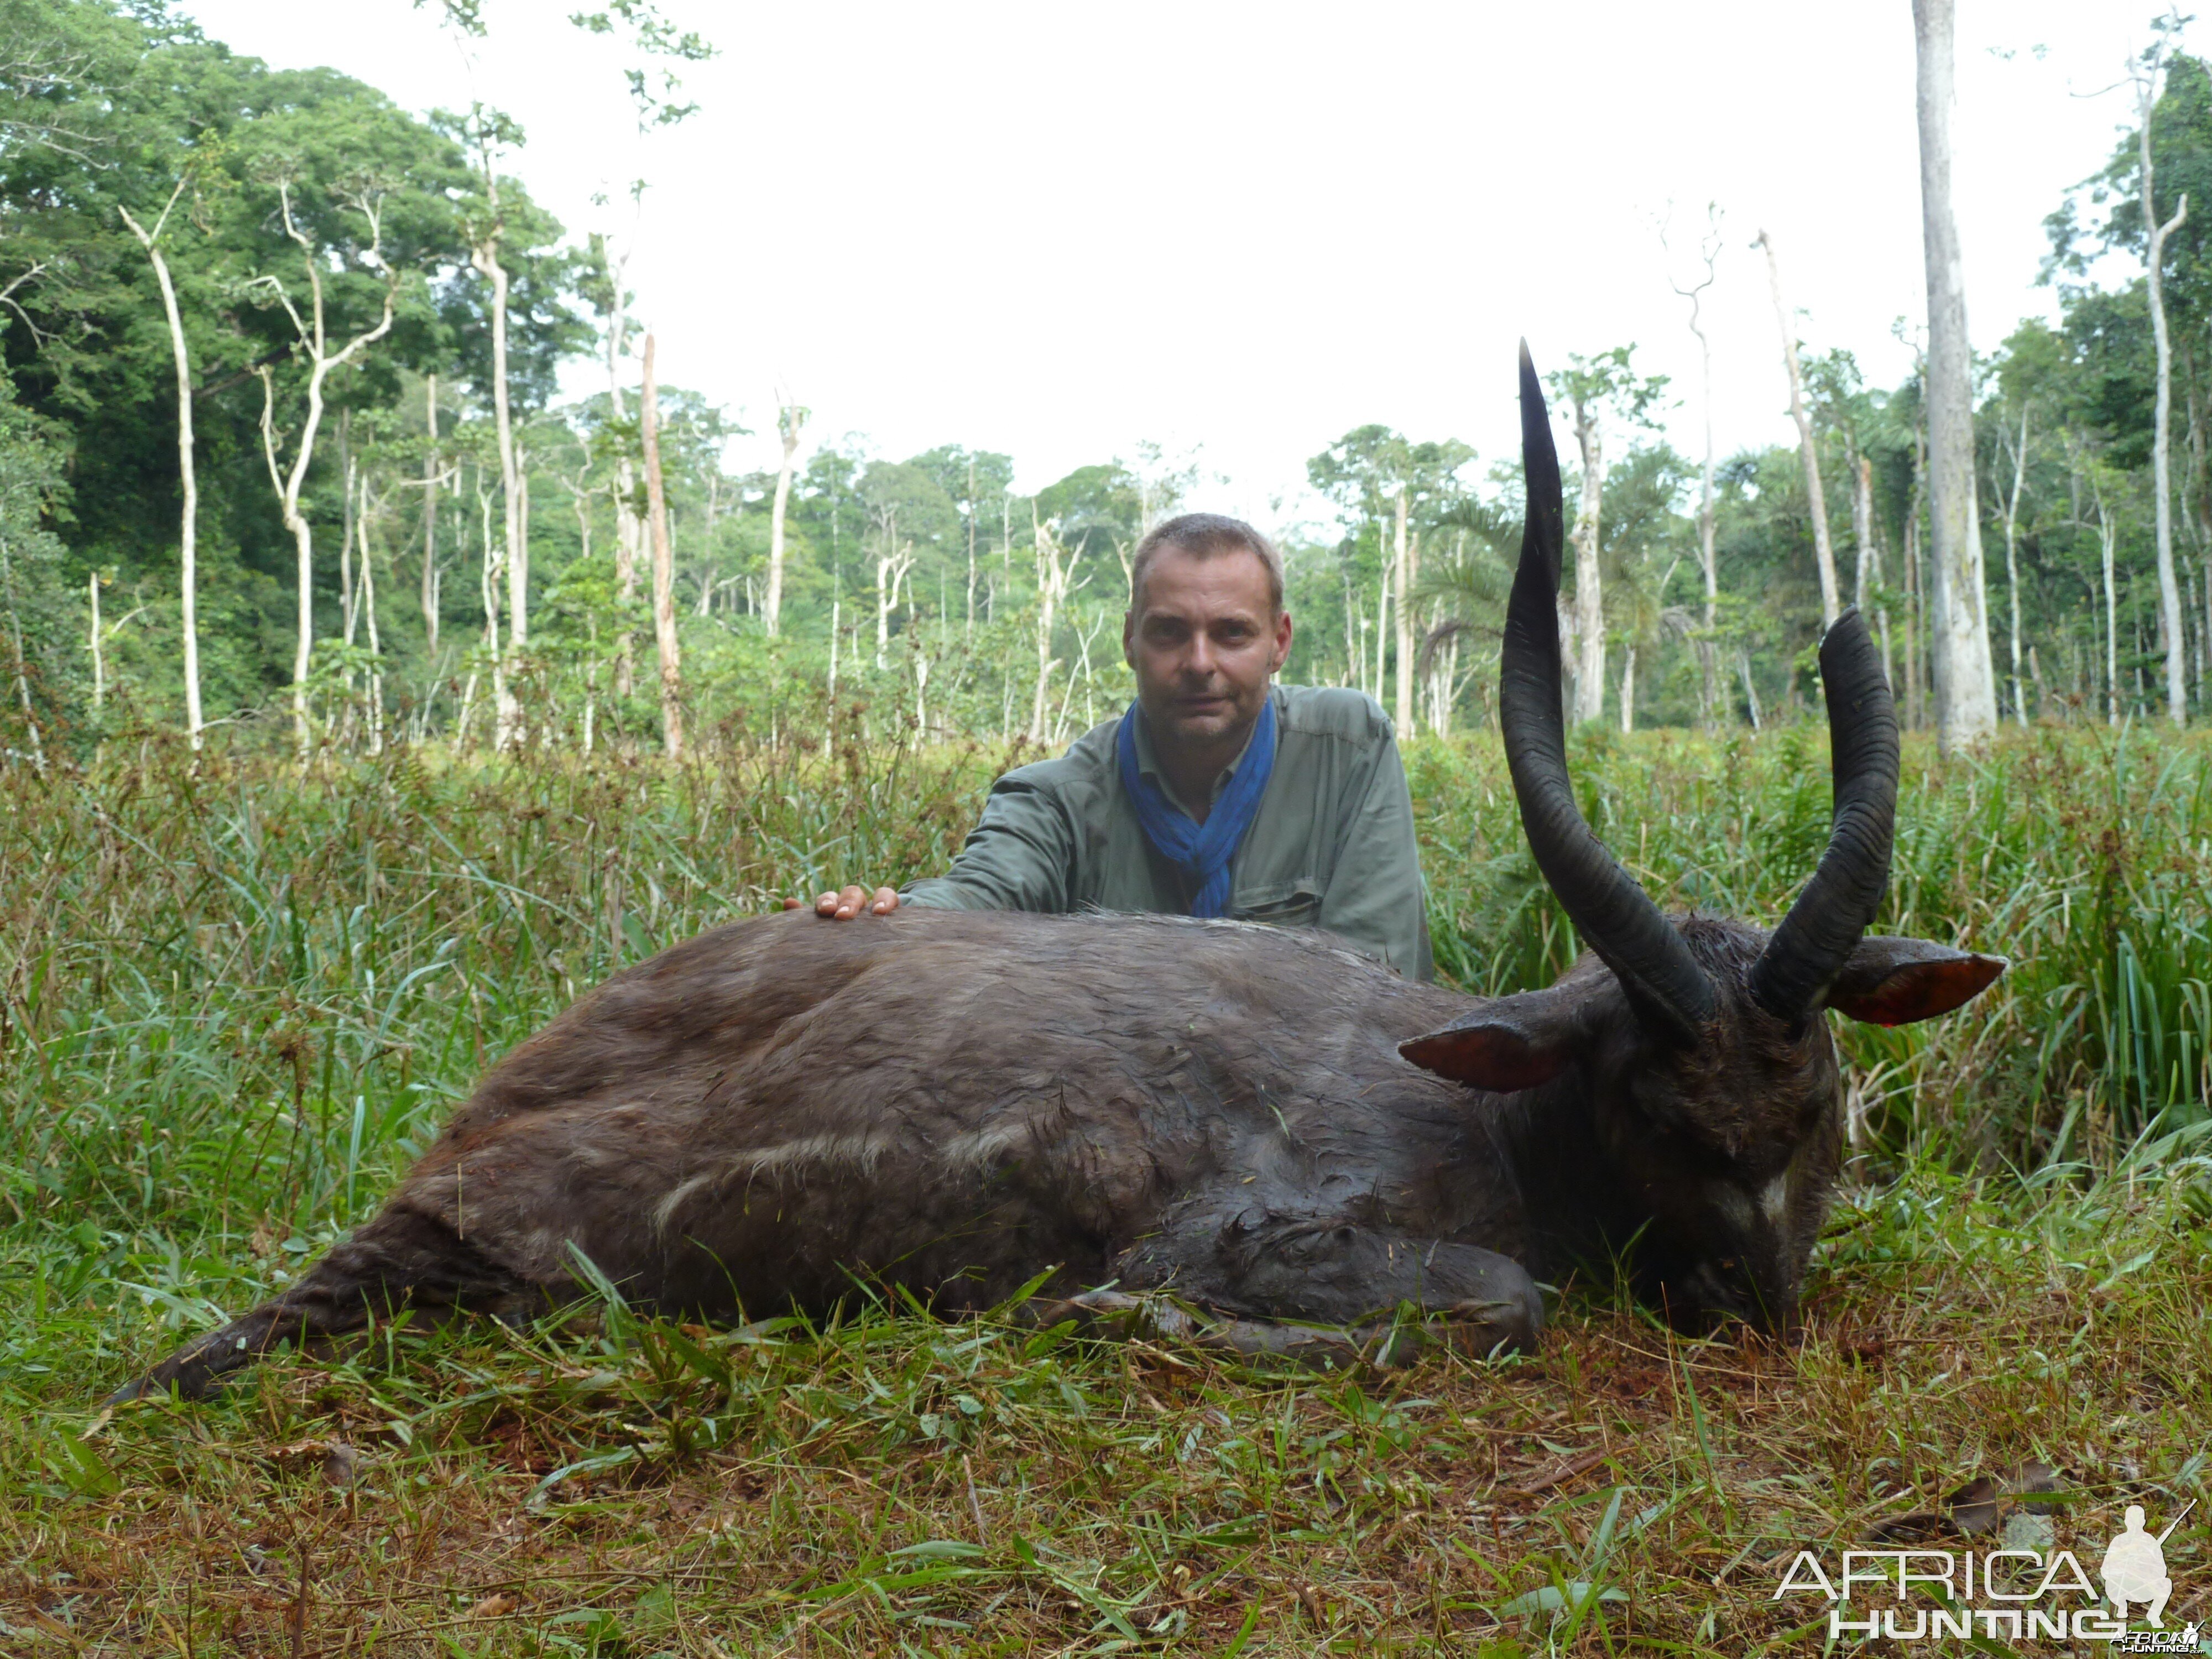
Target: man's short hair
x,y
1203,536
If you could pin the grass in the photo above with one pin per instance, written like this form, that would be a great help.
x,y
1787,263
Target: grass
x,y
233,1004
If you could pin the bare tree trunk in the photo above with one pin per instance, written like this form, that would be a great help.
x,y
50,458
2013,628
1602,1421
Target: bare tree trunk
x,y
1816,499
829,707
1380,624
1628,690
1351,676
1965,688
1052,586
1861,525
1408,587
2169,589
625,483
430,521
1589,598
1915,611
2108,539
315,340
1708,564
349,477
2012,562
188,529
664,565
892,565
494,562
99,664
1404,619
1869,552
972,510
887,585
369,616
484,256
789,417
22,673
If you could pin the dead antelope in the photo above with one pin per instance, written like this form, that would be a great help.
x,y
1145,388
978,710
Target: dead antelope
x,y
1268,1126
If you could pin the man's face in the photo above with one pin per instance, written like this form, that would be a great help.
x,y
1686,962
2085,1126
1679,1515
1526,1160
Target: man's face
x,y
1203,643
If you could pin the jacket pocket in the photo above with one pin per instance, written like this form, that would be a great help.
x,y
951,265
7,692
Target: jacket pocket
x,y
1281,904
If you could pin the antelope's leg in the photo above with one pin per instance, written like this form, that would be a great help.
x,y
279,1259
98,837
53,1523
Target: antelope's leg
x,y
1278,1262
1162,1318
1313,1290
402,1258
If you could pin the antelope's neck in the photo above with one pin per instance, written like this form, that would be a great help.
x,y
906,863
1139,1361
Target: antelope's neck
x,y
1577,1208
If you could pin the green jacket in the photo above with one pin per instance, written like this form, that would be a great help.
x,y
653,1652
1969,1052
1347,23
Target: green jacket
x,y
1331,846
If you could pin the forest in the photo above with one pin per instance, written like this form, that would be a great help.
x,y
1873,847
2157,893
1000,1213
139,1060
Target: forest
x,y
395,528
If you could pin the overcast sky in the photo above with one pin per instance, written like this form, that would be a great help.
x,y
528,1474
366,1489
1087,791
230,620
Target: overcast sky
x,y
1056,231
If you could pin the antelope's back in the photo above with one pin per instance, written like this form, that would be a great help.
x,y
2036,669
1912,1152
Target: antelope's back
x,y
963,1095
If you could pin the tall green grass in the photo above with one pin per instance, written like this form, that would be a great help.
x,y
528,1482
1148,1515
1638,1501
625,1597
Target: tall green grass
x,y
236,993
2086,858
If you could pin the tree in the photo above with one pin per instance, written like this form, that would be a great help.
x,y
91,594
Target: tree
x,y
1096,508
488,132
1966,690
607,293
1708,565
1054,567
1842,405
1597,390
31,589
975,481
2014,448
1396,490
905,506
1363,472
789,417
1823,552
1464,589
2147,73
367,200
188,534
664,564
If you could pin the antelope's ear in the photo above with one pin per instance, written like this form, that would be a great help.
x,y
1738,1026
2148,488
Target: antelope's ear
x,y
1895,981
1513,1042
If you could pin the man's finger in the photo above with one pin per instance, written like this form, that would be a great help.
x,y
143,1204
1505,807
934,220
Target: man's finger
x,y
845,905
793,903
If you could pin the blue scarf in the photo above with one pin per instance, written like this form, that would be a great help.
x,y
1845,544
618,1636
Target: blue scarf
x,y
1204,851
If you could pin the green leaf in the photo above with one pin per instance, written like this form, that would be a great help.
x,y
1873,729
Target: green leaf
x,y
939,1549
581,1466
1550,1599
84,1470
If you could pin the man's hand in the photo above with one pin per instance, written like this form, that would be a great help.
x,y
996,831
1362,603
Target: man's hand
x,y
853,902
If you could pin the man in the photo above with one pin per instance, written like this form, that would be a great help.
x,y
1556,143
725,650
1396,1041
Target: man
x,y
1215,795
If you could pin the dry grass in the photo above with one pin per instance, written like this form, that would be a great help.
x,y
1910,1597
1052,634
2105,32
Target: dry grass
x,y
894,1485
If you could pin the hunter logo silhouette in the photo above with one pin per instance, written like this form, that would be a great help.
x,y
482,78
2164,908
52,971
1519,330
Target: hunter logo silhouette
x,y
2135,1567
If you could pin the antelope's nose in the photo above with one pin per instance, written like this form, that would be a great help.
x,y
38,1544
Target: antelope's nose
x,y
1732,1286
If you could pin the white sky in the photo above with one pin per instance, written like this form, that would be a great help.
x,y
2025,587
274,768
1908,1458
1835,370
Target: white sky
x,y
1058,230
